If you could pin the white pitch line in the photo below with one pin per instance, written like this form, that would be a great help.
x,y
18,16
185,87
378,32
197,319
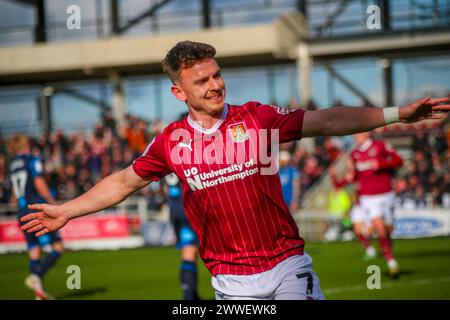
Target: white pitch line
x,y
388,285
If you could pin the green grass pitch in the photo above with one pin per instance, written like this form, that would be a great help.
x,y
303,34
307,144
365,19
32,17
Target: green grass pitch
x,y
152,273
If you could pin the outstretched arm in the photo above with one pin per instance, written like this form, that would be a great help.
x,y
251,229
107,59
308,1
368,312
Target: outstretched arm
x,y
340,121
108,192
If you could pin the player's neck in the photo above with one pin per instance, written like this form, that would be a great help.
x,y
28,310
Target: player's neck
x,y
22,152
365,145
204,120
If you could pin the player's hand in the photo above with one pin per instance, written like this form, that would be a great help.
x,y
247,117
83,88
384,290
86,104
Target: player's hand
x,y
425,108
47,218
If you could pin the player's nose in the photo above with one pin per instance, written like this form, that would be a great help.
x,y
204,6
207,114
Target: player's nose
x,y
214,85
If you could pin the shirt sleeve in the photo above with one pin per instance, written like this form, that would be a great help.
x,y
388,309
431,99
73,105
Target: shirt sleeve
x,y
152,164
390,158
288,122
36,167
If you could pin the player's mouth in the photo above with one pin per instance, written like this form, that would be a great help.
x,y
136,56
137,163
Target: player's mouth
x,y
215,97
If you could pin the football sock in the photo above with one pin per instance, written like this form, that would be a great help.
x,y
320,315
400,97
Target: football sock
x,y
365,242
35,267
50,261
188,277
389,236
386,248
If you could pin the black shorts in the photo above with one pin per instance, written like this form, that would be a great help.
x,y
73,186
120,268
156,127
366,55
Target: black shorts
x,y
32,240
183,229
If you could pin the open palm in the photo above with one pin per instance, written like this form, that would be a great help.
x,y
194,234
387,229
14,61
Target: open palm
x,y
47,218
424,108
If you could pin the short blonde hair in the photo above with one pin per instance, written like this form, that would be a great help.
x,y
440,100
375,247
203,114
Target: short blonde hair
x,y
17,143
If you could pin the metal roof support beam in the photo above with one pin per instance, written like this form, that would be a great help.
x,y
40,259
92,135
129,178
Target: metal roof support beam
x,y
119,109
40,33
115,20
386,43
45,109
104,106
386,65
32,2
348,84
146,14
302,6
332,17
385,14
304,67
206,12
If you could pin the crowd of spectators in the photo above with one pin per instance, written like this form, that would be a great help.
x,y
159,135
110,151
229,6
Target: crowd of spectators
x,y
313,163
424,180
75,162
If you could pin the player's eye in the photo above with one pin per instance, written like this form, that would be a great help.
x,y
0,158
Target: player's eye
x,y
200,82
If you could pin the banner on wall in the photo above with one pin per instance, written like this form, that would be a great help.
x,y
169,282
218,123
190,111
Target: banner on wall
x,y
93,227
419,223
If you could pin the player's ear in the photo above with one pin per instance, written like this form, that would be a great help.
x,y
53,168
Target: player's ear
x,y
178,92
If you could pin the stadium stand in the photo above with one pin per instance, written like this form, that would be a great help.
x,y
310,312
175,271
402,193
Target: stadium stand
x,y
75,162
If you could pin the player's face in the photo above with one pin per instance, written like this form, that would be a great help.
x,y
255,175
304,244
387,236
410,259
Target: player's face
x,y
202,87
360,138
283,163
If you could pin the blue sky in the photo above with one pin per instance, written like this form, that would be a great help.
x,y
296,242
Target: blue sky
x,y
412,78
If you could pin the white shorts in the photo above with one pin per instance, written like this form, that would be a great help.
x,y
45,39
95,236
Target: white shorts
x,y
291,279
379,205
359,215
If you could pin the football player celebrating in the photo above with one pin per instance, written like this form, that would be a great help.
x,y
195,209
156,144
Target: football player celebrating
x,y
373,163
231,194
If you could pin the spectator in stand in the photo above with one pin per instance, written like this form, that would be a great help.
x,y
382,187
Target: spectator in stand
x,y
440,141
445,188
109,122
420,142
423,172
135,134
290,181
332,151
312,172
4,188
420,198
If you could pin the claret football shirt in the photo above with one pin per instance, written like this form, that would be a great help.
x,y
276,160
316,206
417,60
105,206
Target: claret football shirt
x,y
368,180
231,188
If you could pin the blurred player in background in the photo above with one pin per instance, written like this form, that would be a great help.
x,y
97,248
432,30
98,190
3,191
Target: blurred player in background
x,y
29,186
361,224
373,163
248,239
341,199
290,181
187,241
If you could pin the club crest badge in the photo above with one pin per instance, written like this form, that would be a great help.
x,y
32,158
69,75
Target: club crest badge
x,y
238,132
